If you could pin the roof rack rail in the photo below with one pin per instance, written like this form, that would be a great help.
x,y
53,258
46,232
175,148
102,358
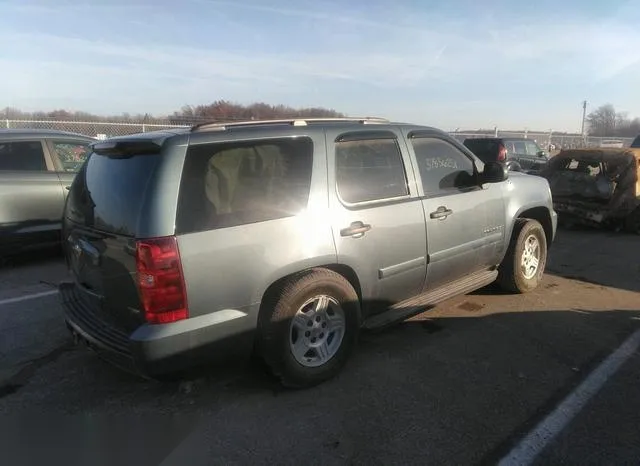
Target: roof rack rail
x,y
221,126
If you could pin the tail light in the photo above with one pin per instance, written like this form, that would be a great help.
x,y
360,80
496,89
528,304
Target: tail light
x,y
502,153
160,280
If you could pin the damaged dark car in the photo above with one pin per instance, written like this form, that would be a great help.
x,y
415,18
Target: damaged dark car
x,y
596,187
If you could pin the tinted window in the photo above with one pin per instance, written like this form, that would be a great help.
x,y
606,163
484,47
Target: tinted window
x,y
71,155
485,149
23,155
225,185
636,142
510,147
108,193
532,148
442,166
519,147
370,170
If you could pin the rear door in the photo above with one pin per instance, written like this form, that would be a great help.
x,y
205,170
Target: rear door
x,y
465,222
376,215
31,197
106,202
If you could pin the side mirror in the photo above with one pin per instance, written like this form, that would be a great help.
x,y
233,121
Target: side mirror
x,y
494,172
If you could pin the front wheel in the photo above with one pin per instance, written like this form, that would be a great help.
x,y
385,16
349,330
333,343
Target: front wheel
x,y
308,328
523,266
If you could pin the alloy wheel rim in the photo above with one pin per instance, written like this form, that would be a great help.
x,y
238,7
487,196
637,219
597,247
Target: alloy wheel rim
x,y
316,331
530,261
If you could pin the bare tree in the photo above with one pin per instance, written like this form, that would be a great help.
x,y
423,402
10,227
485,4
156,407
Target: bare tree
x,y
602,121
606,121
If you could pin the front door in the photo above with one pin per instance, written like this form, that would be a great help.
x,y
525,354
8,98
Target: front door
x,y
377,217
29,192
465,221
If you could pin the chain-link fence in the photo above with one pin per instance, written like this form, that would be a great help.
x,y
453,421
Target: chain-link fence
x,y
96,129
551,140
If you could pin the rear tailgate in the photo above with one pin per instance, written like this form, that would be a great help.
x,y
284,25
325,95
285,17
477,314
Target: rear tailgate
x,y
101,221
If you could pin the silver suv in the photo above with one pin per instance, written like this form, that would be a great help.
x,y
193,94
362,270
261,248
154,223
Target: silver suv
x,y
285,238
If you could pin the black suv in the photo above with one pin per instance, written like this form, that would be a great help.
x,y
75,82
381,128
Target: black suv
x,y
519,154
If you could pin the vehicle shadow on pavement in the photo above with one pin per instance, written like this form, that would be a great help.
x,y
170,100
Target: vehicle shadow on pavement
x,y
456,390
597,257
31,258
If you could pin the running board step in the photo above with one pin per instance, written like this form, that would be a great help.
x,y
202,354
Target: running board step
x,y
413,306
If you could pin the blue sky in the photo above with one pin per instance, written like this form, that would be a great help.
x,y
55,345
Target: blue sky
x,y
449,64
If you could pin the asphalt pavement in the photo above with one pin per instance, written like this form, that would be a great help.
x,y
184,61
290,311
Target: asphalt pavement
x,y
470,382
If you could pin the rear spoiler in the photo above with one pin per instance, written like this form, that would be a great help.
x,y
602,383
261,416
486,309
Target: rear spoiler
x,y
126,148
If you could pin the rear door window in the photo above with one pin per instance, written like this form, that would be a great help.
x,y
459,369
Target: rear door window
x,y
229,184
70,155
370,170
22,156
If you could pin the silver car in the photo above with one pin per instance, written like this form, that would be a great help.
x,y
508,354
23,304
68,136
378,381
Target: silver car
x,y
285,239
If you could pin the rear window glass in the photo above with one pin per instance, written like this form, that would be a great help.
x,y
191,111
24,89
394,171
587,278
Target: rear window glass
x,y
583,167
108,193
230,184
22,155
485,150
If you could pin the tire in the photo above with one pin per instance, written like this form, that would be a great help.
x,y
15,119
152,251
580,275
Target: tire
x,y
511,274
282,342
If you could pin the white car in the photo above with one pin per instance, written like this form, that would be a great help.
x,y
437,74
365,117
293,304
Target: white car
x,y
611,144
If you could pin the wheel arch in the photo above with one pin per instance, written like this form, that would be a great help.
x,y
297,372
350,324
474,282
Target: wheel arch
x,y
542,215
345,271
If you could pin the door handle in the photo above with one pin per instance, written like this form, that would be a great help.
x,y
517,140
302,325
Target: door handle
x,y
355,230
441,212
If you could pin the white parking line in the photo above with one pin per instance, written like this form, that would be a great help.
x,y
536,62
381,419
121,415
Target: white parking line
x,y
27,297
535,442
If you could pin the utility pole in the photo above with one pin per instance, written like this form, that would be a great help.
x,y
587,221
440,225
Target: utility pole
x,y
584,116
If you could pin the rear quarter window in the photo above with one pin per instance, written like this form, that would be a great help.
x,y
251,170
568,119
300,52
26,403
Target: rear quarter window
x,y
230,184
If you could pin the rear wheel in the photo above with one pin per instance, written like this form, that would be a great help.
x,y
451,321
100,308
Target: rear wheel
x,y
308,328
523,266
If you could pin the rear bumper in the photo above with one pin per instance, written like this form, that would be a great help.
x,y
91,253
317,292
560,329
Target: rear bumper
x,y
155,350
